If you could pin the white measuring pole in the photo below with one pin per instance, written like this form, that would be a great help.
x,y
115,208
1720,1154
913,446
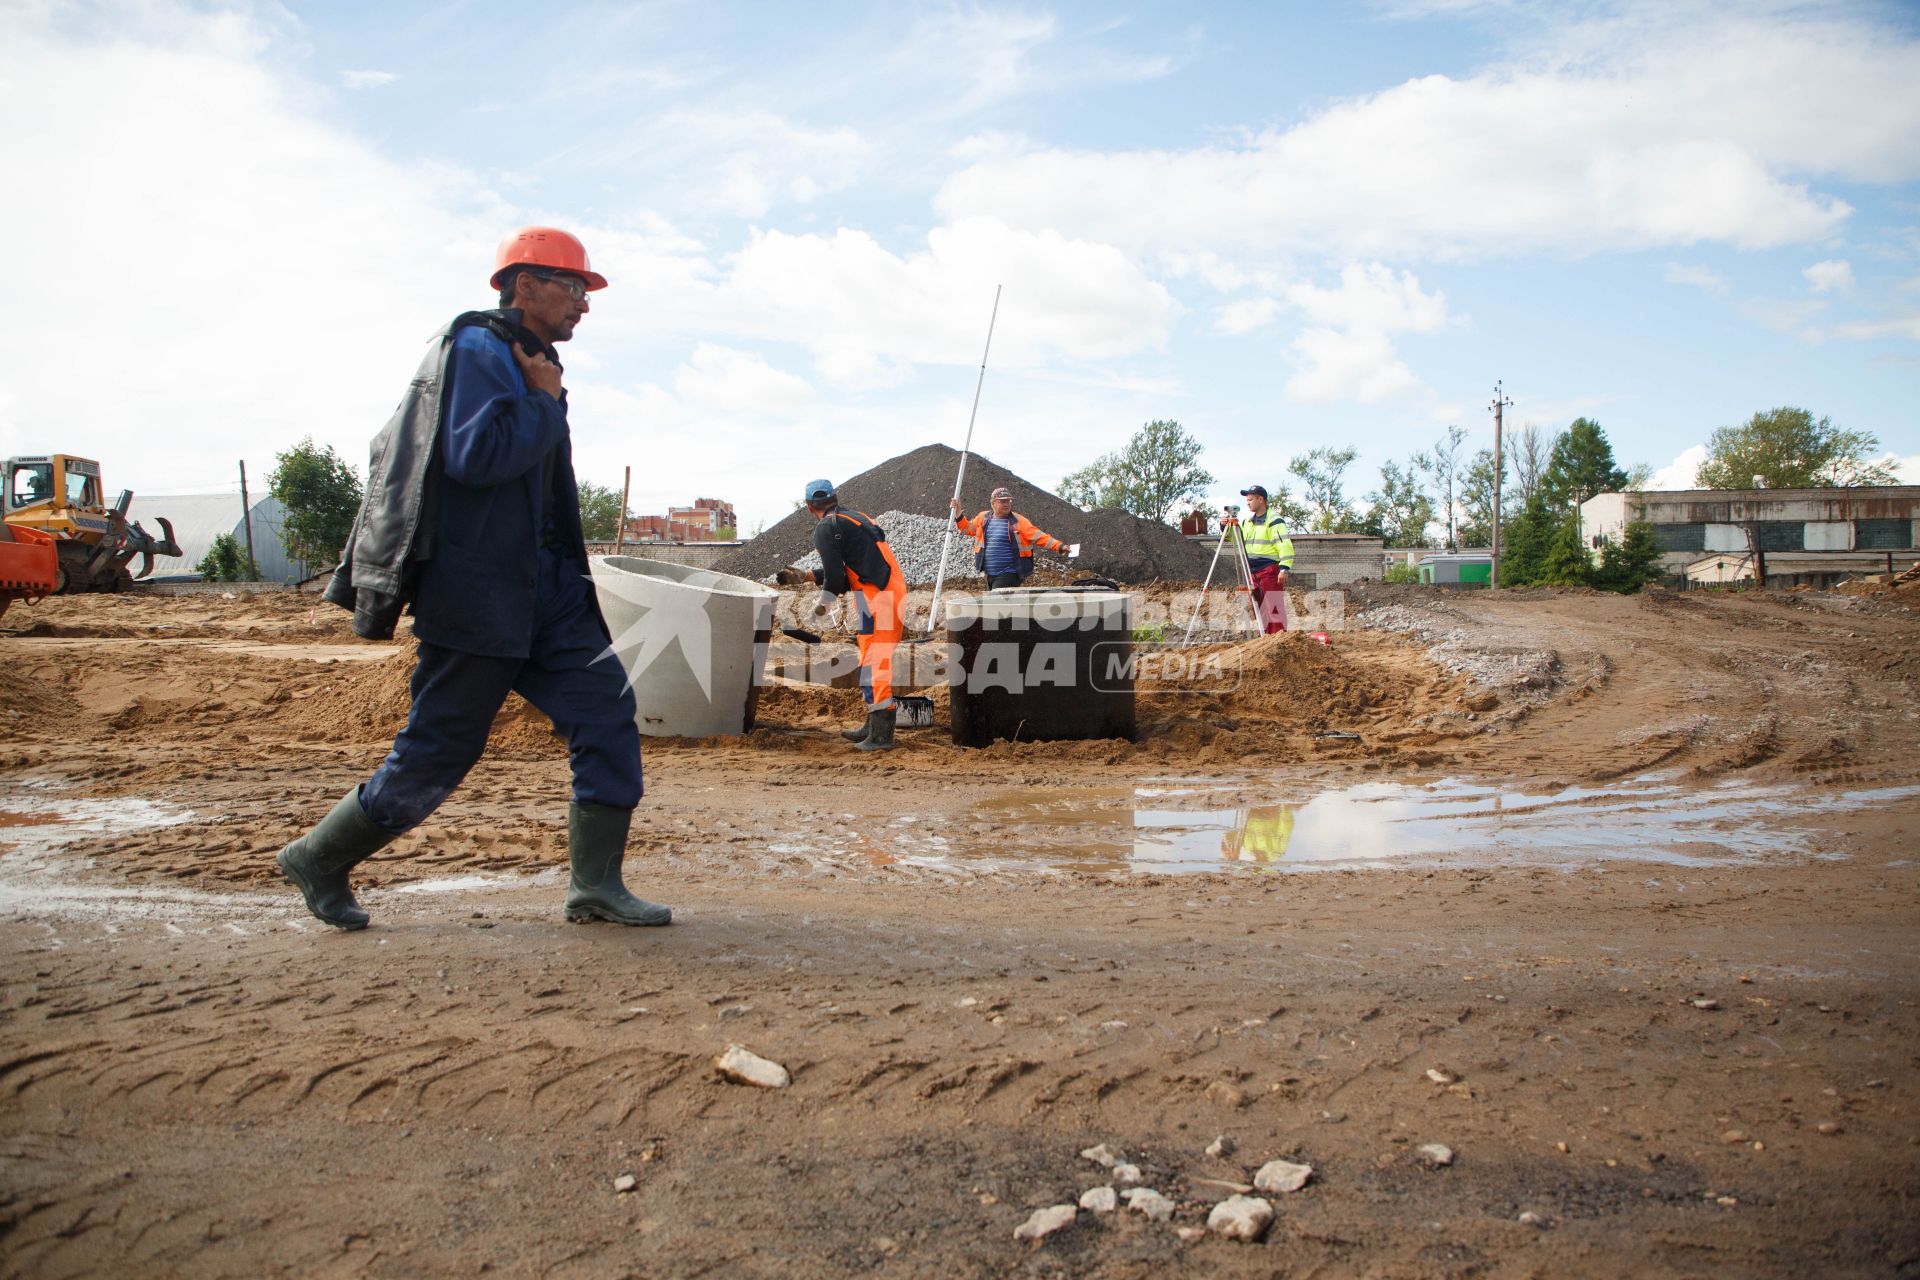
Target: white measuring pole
x,y
940,572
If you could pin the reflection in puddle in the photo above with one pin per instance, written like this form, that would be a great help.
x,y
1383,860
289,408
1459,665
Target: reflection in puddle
x,y
1173,828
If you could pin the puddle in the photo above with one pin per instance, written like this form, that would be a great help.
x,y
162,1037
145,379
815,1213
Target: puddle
x,y
1183,825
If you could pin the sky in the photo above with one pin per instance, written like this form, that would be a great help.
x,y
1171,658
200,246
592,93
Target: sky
x,y
1284,225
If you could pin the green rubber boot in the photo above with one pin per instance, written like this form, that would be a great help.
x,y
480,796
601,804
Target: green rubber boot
x,y
596,846
318,861
879,731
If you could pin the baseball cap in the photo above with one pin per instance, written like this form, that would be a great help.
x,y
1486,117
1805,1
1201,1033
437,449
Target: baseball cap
x,y
1003,492
819,490
1253,490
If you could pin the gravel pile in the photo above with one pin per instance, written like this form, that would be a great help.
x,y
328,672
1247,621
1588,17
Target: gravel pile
x,y
918,484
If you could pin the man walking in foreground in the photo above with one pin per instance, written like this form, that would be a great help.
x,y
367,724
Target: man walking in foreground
x,y
472,520
1269,555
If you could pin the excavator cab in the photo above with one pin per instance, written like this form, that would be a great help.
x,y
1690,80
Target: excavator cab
x,y
61,496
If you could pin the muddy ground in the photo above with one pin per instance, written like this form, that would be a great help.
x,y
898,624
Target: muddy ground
x,y
1661,960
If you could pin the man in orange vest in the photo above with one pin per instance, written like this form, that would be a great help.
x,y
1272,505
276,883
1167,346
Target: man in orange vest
x,y
854,555
1004,540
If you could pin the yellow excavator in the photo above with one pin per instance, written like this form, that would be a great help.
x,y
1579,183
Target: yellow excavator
x,y
60,497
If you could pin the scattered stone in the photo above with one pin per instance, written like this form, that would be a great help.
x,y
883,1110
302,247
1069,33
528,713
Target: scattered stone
x,y
1734,1137
1461,1089
1222,1147
1100,1199
1127,1173
625,1183
1114,1025
1726,1202
1562,1148
1150,1202
966,1002
1437,1154
1438,1076
1282,1175
1240,1218
736,1011
1103,1155
1227,1095
1189,1234
1238,1188
1045,1222
1532,1219
1705,1003
742,1066
1830,1128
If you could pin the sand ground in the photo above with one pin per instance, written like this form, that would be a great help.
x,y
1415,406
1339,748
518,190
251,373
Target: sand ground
x,y
1588,817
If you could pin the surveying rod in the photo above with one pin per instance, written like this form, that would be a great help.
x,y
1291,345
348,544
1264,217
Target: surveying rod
x,y
940,573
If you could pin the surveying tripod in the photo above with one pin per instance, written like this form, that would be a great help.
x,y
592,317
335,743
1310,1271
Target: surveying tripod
x,y
1229,532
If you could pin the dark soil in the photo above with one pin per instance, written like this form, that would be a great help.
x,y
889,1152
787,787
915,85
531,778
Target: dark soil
x,y
1113,542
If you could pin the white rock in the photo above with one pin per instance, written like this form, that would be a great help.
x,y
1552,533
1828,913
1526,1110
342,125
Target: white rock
x,y
1437,1154
1282,1175
1221,1146
1104,1155
1532,1219
743,1066
1438,1077
1706,1003
625,1182
1190,1234
1126,1173
1150,1202
1045,1222
1100,1199
1240,1218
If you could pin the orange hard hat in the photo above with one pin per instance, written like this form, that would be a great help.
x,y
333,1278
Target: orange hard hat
x,y
547,247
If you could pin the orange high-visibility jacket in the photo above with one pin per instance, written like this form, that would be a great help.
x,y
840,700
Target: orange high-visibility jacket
x,y
1026,538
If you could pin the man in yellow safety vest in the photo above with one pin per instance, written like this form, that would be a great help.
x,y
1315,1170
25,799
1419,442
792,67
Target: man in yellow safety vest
x,y
1269,556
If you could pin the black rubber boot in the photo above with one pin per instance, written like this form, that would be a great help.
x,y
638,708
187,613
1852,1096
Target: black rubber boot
x,y
596,846
879,731
318,861
860,734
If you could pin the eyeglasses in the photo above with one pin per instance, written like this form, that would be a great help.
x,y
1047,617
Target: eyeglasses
x,y
572,284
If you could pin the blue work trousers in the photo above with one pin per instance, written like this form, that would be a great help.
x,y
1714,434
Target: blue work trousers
x,y
570,675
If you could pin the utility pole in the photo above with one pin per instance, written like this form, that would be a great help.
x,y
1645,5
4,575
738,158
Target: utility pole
x,y
1500,402
246,520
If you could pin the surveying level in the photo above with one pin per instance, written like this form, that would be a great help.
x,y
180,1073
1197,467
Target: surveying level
x,y
1229,532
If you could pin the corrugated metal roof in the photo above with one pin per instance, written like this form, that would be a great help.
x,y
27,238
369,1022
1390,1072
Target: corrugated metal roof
x,y
200,518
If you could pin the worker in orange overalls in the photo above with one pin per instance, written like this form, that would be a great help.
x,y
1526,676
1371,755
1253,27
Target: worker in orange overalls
x,y
854,555
1003,540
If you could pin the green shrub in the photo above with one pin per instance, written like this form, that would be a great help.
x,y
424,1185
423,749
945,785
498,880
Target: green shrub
x,y
1403,573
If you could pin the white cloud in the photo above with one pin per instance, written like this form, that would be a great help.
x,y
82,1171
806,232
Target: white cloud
x,y
190,305
367,79
1704,278
1907,469
1679,473
1907,326
1834,274
1348,365
1667,136
1347,353
1244,315
737,381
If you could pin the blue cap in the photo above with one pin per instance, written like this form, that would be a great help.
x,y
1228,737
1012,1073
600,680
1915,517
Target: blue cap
x,y
819,490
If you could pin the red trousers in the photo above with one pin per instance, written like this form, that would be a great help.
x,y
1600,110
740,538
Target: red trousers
x,y
1270,596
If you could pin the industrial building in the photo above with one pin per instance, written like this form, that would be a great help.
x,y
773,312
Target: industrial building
x,y
1807,537
200,518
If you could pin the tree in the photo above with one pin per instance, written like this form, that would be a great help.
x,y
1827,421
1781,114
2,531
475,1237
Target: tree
x,y
1442,466
1158,472
1631,563
227,561
1321,472
600,512
1580,466
1789,450
1401,509
1476,497
1523,545
321,494
1530,450
1566,562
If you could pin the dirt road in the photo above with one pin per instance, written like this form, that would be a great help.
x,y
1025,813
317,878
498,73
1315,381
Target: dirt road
x,y
1614,898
